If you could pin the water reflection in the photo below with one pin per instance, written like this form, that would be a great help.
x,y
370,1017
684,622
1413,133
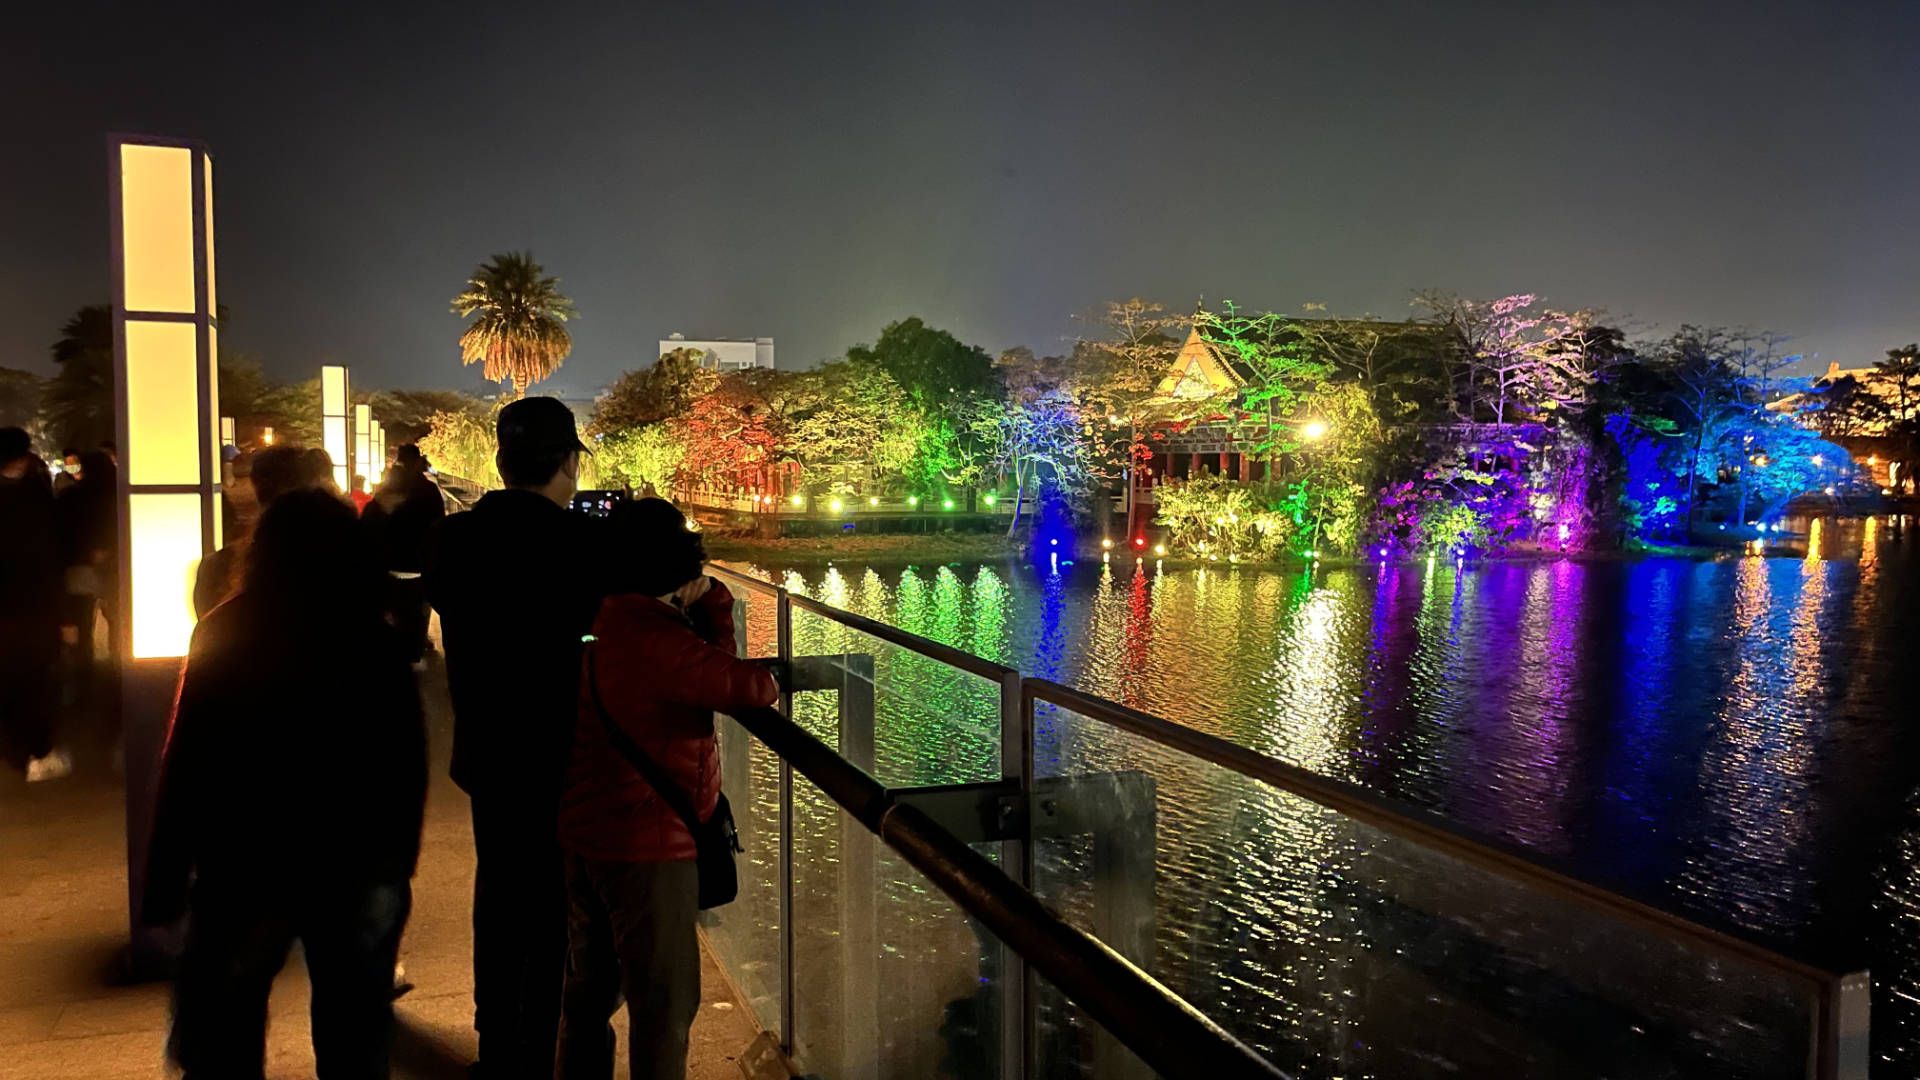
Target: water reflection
x,y
1722,737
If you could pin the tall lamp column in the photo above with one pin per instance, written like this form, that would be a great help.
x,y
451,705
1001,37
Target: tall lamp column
x,y
362,442
336,426
167,420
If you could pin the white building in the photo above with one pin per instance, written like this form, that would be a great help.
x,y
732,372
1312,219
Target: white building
x,y
724,354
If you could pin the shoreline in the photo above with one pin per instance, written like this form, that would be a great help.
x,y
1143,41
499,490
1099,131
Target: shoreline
x,y
907,549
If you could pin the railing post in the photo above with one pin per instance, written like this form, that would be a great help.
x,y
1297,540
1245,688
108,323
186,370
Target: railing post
x,y
861,1044
783,636
1840,1031
1016,856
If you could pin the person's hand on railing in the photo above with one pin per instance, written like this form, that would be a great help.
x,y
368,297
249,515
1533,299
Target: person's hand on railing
x,y
781,671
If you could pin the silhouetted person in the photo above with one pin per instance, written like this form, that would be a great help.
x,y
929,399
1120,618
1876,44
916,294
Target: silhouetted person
x,y
270,473
89,518
402,515
357,493
30,599
291,794
317,470
69,470
661,664
513,582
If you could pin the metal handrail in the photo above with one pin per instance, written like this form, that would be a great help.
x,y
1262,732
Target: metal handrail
x,y
1171,1036
1830,988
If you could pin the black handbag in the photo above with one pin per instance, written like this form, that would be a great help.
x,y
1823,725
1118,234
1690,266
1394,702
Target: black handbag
x,y
715,840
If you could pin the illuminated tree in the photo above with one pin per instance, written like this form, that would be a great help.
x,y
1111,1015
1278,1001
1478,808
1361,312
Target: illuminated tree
x,y
1121,371
1277,362
647,459
664,389
734,435
405,414
520,335
850,423
1387,359
1703,387
1043,437
461,444
1327,477
1510,358
949,383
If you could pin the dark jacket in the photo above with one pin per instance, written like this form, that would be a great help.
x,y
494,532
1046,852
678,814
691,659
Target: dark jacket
x,y
30,581
88,515
515,582
403,514
661,675
297,757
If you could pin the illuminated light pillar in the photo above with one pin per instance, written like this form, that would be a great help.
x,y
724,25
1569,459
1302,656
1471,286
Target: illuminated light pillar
x,y
166,412
362,442
226,431
378,447
336,431
266,436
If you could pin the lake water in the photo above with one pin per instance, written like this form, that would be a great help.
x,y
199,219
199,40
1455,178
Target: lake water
x,y
1734,740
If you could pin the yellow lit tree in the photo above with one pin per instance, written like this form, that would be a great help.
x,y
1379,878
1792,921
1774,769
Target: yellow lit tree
x,y
520,335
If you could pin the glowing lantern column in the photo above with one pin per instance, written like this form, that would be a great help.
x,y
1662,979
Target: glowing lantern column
x,y
160,196
336,431
378,448
362,442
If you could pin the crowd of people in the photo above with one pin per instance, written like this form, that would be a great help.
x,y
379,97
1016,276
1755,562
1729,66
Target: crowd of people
x,y
59,569
291,799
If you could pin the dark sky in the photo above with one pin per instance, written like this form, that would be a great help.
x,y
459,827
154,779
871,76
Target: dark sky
x,y
811,171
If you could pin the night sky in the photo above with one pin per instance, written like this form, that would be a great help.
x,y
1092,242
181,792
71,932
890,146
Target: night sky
x,y
811,171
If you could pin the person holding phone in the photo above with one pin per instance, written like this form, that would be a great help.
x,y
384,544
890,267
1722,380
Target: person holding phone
x,y
659,664
515,581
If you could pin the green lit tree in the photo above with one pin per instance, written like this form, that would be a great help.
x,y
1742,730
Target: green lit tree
x,y
520,334
949,382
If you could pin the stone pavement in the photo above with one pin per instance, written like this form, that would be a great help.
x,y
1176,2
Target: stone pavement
x,y
66,1012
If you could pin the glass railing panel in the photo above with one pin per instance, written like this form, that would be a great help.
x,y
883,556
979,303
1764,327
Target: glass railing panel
x,y
745,935
891,980
1338,949
909,720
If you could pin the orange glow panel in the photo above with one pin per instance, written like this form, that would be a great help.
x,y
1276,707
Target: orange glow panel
x,y
163,404
164,535
156,208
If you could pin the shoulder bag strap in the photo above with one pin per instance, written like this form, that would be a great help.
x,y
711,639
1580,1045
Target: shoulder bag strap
x,y
675,798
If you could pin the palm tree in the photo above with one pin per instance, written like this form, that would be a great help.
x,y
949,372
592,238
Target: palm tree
x,y
79,400
519,335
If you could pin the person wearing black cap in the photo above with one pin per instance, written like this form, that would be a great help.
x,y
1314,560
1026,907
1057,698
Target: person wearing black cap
x,y
514,582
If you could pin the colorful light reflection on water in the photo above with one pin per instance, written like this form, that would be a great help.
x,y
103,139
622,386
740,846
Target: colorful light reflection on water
x,y
1727,738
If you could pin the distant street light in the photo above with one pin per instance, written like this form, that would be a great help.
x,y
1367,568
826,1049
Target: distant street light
x,y
1313,430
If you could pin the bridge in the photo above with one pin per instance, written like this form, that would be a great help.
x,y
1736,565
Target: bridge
x,y
1088,900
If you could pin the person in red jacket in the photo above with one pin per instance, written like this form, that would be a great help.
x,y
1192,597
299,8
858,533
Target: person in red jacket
x,y
661,662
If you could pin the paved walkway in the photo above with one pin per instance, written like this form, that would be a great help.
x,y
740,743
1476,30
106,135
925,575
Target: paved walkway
x,y
65,1012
